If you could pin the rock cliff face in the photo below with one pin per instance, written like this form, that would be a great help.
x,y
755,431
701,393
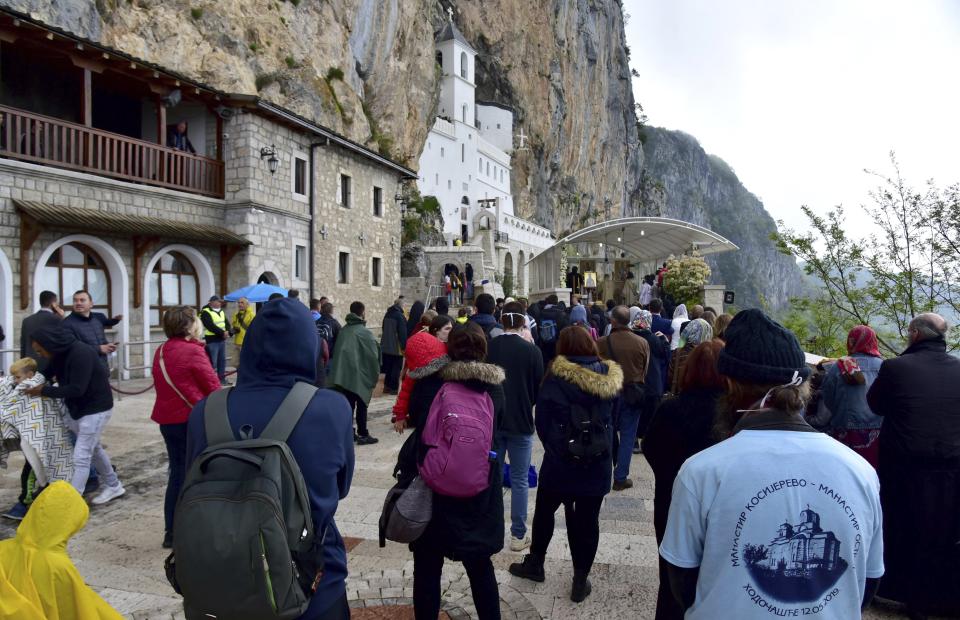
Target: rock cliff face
x,y
682,181
366,68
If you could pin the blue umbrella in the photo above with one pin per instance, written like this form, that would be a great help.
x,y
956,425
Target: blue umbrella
x,y
255,293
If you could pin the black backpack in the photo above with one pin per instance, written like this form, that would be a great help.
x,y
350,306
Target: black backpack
x,y
244,532
587,437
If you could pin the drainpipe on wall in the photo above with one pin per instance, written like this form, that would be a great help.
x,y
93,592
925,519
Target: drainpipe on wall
x,y
313,201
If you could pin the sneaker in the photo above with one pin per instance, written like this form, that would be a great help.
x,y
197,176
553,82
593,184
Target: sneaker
x,y
108,494
531,568
622,485
519,544
167,540
17,512
366,440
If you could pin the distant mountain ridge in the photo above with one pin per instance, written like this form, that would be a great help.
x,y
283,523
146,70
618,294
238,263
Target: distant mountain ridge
x,y
683,181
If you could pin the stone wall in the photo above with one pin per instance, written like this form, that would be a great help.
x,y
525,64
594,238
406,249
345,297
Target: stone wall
x,y
258,205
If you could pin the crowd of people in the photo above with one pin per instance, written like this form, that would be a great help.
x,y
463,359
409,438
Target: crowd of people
x,y
816,486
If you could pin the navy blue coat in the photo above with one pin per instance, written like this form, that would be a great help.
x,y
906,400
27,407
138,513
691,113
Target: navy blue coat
x,y
280,348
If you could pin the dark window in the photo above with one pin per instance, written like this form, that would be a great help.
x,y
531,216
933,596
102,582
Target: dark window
x,y
378,201
300,176
299,262
343,268
376,277
346,191
73,267
172,283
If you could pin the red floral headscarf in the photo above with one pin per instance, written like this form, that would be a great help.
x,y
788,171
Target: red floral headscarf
x,y
862,339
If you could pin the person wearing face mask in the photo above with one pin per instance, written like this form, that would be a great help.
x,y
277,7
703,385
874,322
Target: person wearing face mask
x,y
776,515
522,363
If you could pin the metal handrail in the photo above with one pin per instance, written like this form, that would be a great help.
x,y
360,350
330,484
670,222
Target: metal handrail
x,y
124,357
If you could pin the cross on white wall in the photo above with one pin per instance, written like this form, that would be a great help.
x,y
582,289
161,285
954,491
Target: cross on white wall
x,y
450,12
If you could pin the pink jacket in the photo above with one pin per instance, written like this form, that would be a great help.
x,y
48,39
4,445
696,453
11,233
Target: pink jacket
x,y
190,371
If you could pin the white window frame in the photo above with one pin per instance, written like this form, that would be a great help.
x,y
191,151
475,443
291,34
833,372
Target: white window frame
x,y
302,281
376,287
336,266
305,197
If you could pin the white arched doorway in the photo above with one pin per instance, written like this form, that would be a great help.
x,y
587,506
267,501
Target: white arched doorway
x,y
6,311
205,288
119,283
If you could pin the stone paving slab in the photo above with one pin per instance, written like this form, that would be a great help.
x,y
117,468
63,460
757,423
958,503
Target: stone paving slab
x,y
119,554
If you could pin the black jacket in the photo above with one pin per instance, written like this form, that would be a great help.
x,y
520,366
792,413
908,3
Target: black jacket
x,y
523,364
659,360
559,316
31,325
473,527
393,339
89,331
680,428
82,381
918,394
585,381
327,319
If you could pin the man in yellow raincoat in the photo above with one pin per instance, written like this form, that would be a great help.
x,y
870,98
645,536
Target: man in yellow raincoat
x,y
241,322
37,578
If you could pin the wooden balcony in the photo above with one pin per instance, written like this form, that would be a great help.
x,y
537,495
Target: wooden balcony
x,y
46,140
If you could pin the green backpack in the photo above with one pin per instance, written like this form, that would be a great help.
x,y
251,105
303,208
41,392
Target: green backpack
x,y
243,519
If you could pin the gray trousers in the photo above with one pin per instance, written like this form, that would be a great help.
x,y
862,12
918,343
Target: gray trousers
x,y
88,449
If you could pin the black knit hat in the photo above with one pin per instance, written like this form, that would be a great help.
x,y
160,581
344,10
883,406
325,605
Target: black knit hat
x,y
760,350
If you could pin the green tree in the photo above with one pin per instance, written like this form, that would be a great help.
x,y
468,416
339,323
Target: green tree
x,y
884,279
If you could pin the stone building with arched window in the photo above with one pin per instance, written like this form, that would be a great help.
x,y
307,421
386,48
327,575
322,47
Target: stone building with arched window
x,y
101,190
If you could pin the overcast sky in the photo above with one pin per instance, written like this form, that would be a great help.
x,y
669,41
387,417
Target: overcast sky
x,y
799,97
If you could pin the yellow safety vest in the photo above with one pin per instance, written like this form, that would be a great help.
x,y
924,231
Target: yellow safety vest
x,y
219,318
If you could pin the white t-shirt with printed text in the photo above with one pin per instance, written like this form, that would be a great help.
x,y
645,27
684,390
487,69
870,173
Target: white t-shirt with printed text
x,y
782,524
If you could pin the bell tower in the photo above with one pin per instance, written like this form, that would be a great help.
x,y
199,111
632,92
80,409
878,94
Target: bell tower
x,y
457,59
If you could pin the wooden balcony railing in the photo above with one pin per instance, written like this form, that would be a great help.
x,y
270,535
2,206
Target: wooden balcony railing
x,y
47,140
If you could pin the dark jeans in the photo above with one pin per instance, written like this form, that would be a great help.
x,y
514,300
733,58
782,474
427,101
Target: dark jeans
x,y
338,611
427,566
357,404
391,371
583,525
217,352
627,423
175,438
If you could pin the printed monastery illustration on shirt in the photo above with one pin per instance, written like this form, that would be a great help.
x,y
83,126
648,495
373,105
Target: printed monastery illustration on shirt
x,y
799,564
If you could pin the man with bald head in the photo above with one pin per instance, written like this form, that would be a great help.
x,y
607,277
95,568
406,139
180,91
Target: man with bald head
x,y
918,395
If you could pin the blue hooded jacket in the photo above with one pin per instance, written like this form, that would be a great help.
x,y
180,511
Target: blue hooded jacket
x,y
280,349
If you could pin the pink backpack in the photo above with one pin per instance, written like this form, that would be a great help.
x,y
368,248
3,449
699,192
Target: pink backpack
x,y
458,437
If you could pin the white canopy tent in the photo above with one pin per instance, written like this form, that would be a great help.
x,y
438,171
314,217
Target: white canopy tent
x,y
641,239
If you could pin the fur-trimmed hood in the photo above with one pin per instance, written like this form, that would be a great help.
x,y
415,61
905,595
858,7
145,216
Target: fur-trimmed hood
x,y
605,386
473,371
432,367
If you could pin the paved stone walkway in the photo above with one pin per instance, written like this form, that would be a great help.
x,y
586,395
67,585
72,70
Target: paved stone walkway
x,y
119,551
